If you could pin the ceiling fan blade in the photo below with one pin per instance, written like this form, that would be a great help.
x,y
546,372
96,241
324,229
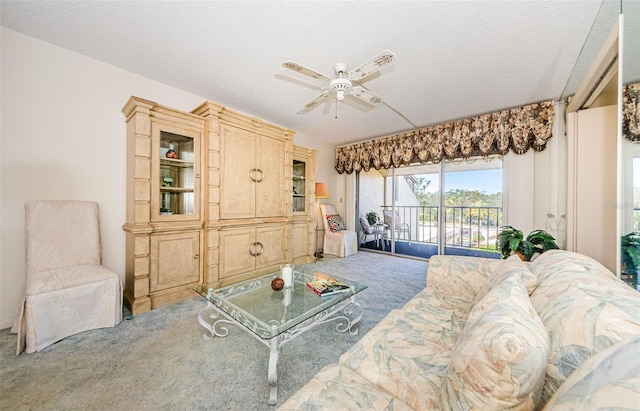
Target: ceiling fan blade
x,y
305,70
366,95
316,100
377,63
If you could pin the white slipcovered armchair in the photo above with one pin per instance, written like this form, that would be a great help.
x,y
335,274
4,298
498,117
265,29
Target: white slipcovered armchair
x,y
341,242
68,291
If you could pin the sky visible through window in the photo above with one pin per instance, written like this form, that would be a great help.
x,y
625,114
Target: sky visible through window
x,y
489,181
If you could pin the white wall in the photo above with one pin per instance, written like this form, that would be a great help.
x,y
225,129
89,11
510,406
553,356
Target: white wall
x,y
63,136
534,194
371,194
551,182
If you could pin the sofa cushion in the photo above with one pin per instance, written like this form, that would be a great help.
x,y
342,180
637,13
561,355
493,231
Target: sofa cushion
x,y
500,358
511,267
338,388
585,308
459,277
608,380
407,353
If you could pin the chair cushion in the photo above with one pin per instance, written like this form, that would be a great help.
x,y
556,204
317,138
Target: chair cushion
x,y
67,277
500,358
67,301
335,223
366,227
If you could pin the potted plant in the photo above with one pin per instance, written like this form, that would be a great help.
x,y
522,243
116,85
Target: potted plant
x,y
510,241
630,249
372,217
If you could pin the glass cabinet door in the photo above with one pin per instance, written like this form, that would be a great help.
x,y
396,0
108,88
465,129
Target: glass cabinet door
x,y
176,195
299,186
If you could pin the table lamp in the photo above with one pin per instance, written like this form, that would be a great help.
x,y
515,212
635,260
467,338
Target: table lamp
x,y
321,192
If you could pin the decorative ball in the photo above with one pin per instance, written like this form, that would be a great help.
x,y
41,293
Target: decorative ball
x,y
277,284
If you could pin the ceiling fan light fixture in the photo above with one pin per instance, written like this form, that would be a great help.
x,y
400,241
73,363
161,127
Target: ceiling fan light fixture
x,y
341,86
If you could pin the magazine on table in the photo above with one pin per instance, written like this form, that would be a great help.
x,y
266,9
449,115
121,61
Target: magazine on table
x,y
327,286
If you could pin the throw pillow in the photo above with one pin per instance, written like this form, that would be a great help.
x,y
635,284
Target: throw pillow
x,y
500,358
335,223
608,380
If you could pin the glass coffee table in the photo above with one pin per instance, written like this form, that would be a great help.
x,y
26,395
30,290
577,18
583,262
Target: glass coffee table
x,y
277,317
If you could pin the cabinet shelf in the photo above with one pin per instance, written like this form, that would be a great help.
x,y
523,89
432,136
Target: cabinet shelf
x,y
298,178
176,190
174,162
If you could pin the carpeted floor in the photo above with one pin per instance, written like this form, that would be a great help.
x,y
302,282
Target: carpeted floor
x,y
159,360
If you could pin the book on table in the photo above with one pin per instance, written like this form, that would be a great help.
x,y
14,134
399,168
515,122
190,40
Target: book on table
x,y
327,286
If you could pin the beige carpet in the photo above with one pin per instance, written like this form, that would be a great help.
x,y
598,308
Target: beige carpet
x,y
159,360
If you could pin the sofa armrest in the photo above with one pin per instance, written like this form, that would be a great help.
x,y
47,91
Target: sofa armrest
x,y
459,275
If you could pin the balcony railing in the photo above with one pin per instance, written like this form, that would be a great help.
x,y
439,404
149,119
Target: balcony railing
x,y
464,226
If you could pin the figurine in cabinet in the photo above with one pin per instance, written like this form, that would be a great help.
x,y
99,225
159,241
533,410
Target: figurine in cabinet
x,y
171,153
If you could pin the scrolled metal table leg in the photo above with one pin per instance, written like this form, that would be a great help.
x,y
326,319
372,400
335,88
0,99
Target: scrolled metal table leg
x,y
272,375
350,325
214,329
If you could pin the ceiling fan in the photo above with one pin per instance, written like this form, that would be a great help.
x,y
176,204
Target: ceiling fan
x,y
343,84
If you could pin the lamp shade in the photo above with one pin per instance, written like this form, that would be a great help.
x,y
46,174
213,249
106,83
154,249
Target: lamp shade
x,y
322,191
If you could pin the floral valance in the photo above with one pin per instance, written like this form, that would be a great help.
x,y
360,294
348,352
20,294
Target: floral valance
x,y
516,129
631,112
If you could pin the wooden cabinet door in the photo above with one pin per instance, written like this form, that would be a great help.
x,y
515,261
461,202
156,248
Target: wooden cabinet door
x,y
272,240
235,251
175,260
270,192
299,240
238,171
175,181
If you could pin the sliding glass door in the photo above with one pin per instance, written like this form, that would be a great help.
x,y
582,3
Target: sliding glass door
x,y
409,214
473,206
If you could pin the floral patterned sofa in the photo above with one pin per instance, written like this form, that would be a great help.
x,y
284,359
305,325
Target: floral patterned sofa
x,y
559,333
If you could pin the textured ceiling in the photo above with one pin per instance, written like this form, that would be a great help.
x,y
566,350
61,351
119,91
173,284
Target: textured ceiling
x,y
455,59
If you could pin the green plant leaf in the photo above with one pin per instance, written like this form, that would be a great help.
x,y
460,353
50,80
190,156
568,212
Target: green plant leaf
x,y
527,249
508,240
542,241
630,247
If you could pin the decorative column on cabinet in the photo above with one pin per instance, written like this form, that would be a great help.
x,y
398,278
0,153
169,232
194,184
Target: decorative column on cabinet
x,y
211,112
164,204
303,205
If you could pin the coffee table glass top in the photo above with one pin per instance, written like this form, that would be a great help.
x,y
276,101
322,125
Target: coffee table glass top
x,y
268,313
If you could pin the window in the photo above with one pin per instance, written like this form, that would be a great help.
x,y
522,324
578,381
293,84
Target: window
x,y
464,222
